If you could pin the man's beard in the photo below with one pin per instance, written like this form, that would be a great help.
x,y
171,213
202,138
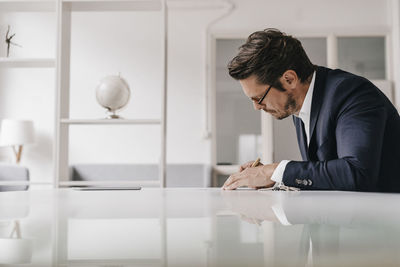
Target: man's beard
x,y
290,107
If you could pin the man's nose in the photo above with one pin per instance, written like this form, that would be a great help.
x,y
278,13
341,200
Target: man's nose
x,y
257,106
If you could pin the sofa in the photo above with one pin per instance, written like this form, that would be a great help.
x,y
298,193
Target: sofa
x,y
11,173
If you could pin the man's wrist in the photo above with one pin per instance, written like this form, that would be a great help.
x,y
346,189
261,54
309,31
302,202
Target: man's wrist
x,y
277,175
270,171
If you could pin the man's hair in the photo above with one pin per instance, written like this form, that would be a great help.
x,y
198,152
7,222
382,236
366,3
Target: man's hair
x,y
268,54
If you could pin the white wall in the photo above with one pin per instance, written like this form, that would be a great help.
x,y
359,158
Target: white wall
x,y
394,17
105,44
308,16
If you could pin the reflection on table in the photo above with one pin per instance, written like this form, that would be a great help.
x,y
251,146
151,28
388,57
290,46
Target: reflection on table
x,y
199,227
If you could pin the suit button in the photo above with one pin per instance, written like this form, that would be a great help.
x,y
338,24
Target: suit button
x,y
298,181
309,182
305,182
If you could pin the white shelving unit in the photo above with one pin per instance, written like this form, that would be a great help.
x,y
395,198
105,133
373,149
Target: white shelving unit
x,y
61,63
64,8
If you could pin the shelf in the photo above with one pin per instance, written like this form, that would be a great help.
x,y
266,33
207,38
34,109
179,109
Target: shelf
x,y
110,121
27,6
111,183
27,62
111,5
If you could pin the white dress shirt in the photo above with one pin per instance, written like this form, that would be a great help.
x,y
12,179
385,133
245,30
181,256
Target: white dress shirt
x,y
304,115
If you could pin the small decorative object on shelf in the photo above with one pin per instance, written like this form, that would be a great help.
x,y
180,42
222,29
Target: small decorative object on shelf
x,y
9,42
113,93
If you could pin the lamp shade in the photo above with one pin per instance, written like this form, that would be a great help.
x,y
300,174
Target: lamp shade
x,y
16,132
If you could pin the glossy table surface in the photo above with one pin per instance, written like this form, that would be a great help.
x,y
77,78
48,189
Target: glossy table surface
x,y
199,227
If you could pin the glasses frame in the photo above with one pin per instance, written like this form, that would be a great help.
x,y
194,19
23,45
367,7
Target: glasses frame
x,y
265,94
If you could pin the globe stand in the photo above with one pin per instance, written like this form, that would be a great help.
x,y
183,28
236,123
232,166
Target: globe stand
x,y
112,115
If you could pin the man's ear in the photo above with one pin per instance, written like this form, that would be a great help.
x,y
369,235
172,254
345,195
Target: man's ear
x,y
289,79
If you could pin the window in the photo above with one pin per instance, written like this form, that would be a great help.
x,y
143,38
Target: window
x,y
364,56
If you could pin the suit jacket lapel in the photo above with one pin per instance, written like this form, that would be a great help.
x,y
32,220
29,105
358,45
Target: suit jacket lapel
x,y
317,98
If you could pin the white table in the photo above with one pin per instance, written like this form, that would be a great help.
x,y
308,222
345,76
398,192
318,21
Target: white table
x,y
200,227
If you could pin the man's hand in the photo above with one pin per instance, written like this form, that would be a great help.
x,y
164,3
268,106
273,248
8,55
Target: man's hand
x,y
253,177
248,165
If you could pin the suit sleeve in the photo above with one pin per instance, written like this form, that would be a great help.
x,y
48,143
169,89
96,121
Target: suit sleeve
x,y
360,126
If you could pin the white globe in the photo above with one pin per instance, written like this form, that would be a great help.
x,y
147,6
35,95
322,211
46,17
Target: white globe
x,y
113,93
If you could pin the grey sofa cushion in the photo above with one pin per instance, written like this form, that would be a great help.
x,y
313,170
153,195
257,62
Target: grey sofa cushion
x,y
13,172
178,175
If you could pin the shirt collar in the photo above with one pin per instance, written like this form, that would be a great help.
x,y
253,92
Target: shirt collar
x,y
305,110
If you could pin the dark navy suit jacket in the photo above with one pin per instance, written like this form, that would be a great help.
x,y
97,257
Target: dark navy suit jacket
x,y
354,137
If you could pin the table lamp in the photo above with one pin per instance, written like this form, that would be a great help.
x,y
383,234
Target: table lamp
x,y
16,133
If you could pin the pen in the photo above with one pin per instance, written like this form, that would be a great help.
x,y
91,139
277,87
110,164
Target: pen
x,y
255,163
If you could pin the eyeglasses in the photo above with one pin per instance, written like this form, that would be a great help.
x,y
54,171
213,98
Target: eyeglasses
x,y
265,94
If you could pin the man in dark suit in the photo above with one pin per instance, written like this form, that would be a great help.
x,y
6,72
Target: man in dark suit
x,y
348,131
